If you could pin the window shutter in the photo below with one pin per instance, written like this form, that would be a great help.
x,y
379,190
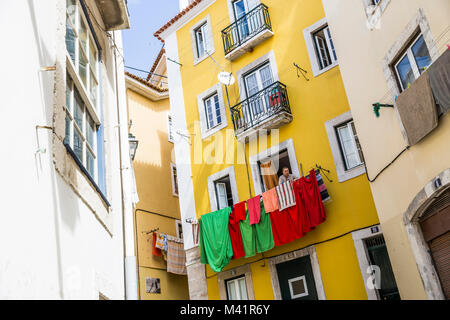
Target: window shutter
x,y
170,128
222,195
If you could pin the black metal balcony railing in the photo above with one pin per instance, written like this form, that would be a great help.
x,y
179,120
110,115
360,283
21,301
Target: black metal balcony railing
x,y
260,107
245,28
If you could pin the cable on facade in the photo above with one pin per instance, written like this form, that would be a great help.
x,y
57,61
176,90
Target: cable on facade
x,y
312,244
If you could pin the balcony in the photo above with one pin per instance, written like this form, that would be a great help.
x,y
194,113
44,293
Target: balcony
x,y
266,109
247,32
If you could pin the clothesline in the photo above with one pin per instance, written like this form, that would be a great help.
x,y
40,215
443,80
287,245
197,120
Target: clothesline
x,y
286,213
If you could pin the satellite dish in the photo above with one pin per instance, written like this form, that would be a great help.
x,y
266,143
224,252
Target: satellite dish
x,y
226,78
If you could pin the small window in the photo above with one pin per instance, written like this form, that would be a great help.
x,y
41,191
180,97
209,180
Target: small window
x,y
201,40
326,53
298,287
412,63
170,128
224,195
349,143
152,285
179,228
173,169
212,111
237,289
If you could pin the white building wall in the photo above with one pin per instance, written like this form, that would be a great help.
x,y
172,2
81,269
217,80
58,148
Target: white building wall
x,y
53,244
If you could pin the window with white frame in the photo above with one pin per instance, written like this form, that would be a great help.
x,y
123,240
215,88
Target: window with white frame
x,y
236,289
349,143
82,88
201,40
170,128
345,147
179,228
224,195
212,111
173,171
321,50
222,189
412,63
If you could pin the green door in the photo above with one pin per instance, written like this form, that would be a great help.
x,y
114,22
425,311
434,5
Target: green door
x,y
296,279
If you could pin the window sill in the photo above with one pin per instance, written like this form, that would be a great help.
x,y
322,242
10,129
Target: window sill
x,y
87,174
319,72
213,130
351,173
198,60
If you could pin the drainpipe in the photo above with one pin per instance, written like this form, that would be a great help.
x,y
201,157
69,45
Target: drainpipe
x,y
130,266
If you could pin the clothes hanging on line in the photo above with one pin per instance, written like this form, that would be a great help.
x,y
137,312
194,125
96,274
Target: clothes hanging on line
x,y
235,234
322,187
155,251
263,232
239,211
248,235
160,242
300,217
285,195
270,200
311,199
215,242
254,209
282,229
195,233
176,257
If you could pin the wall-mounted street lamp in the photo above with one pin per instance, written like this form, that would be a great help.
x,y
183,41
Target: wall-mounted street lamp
x,y
133,145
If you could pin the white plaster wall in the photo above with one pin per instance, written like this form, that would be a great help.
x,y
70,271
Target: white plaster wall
x,y
52,246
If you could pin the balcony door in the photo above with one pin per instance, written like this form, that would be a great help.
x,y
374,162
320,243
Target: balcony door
x,y
240,8
258,100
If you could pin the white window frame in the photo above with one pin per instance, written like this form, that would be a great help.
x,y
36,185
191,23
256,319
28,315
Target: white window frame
x,y
342,173
238,294
216,89
254,159
412,61
209,39
233,273
212,188
211,99
348,126
170,136
308,34
295,296
72,68
174,180
359,238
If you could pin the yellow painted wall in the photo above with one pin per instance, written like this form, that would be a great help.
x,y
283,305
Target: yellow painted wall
x,y
154,185
381,138
312,104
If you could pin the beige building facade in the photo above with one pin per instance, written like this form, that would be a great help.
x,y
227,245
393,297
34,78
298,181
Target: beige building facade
x,y
383,47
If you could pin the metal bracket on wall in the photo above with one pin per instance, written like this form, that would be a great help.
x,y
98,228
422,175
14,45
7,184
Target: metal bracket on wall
x,y
301,70
377,106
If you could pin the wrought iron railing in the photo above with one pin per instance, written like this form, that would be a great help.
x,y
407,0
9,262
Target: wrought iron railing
x,y
246,27
260,107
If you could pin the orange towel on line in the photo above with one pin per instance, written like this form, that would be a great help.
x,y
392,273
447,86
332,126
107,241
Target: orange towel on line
x,y
270,200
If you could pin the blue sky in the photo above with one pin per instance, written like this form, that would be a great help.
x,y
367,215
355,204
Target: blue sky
x,y
146,16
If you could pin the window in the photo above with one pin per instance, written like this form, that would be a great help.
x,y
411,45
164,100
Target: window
x,y
201,40
179,227
271,169
170,128
298,287
349,143
412,63
173,170
224,196
212,111
256,81
82,133
320,46
236,289
324,47
82,51
345,147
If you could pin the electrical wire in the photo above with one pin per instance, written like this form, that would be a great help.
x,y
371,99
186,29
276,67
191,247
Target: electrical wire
x,y
309,245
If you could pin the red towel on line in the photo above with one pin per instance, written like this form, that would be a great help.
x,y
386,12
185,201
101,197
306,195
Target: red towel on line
x,y
282,228
239,211
235,234
254,209
312,201
303,221
156,251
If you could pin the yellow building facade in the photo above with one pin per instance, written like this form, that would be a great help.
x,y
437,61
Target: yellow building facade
x,y
155,173
287,105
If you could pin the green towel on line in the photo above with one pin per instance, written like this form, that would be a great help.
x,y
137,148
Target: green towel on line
x,y
215,241
264,236
248,234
